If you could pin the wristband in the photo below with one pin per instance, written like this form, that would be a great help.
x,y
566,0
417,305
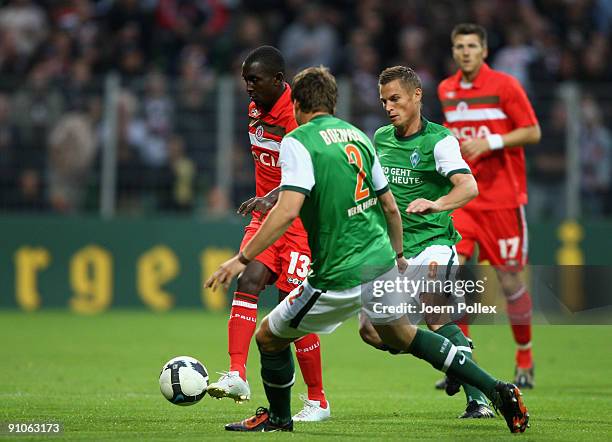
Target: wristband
x,y
495,141
399,255
243,259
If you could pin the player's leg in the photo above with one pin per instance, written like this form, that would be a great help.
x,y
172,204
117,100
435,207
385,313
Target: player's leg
x,y
451,386
477,406
243,317
444,356
519,308
308,355
316,407
294,262
466,224
243,320
241,327
441,263
506,249
278,375
303,311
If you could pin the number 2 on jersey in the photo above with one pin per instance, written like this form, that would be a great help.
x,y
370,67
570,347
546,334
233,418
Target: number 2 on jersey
x,y
354,157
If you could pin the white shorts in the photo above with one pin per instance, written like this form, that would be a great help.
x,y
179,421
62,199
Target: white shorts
x,y
309,310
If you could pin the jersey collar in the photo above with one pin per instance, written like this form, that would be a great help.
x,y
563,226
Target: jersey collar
x,y
478,82
424,123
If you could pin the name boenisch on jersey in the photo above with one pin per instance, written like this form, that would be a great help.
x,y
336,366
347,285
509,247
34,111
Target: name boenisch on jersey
x,y
419,166
266,130
334,164
494,103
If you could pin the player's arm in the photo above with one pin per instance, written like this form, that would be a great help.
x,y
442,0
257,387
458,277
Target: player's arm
x,y
522,136
391,211
464,190
451,165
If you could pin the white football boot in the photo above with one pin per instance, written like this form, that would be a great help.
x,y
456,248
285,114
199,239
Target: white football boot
x,y
312,411
230,385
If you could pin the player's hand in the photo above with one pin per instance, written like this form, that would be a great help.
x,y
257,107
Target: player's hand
x,y
261,204
402,264
225,273
473,148
422,206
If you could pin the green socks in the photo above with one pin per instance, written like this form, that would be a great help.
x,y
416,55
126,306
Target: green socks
x,y
443,355
278,375
454,334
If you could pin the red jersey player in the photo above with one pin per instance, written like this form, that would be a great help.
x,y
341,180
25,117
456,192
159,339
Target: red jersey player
x,y
287,261
492,117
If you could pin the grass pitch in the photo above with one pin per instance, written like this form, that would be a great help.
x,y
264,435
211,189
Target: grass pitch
x,y
98,377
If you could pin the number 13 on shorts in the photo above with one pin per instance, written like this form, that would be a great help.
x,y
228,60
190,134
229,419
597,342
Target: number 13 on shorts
x,y
298,265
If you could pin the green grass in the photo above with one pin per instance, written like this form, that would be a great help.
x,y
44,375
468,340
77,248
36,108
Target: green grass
x,y
98,376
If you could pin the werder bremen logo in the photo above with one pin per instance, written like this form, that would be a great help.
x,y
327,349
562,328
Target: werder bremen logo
x,y
415,158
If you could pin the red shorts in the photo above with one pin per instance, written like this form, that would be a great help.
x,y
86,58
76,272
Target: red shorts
x,y
288,258
501,235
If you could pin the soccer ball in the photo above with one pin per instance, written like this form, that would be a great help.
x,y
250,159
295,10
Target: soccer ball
x,y
183,380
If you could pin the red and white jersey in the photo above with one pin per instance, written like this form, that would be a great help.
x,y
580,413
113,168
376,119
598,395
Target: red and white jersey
x,y
494,103
266,130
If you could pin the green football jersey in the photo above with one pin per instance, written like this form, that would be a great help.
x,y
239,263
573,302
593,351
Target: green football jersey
x,y
419,166
334,164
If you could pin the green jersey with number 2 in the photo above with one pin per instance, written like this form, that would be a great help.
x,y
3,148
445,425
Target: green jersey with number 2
x,y
334,164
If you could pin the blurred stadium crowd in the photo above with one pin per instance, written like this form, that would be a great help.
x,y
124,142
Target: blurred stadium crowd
x,y
54,56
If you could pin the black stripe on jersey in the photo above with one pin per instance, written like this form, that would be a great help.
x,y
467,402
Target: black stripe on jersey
x,y
382,191
296,189
456,171
295,322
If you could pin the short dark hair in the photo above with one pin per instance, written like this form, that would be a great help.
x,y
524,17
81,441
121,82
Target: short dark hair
x,y
315,89
405,75
270,58
470,28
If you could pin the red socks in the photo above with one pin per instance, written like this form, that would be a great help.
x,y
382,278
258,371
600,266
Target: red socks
x,y
240,330
308,353
519,313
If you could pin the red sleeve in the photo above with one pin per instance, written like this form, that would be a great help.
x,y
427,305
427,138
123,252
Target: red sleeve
x,y
516,104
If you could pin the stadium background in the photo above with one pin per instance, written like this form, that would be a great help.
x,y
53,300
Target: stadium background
x,y
124,153
123,148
